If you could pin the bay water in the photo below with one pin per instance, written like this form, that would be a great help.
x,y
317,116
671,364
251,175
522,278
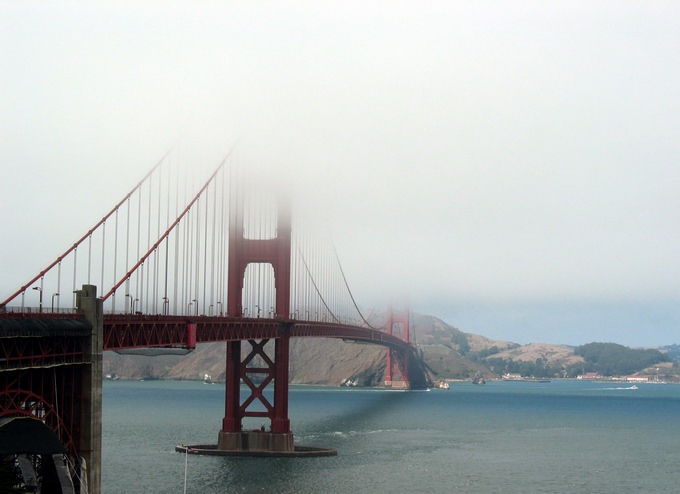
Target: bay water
x,y
501,437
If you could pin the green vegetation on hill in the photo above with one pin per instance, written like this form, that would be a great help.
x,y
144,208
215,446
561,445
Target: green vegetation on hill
x,y
673,351
611,359
608,359
538,368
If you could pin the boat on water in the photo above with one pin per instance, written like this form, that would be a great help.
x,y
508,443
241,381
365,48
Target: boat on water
x,y
519,378
442,385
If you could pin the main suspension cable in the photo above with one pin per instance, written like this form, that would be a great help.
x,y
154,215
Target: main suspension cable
x,y
351,296
304,262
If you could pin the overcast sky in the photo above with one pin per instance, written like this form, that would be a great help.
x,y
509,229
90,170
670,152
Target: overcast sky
x,y
510,167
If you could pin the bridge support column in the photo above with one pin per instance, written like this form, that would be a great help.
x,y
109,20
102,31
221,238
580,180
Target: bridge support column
x,y
280,421
279,438
91,421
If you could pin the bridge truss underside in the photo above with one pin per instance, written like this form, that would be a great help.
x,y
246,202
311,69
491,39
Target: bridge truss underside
x,y
133,331
42,364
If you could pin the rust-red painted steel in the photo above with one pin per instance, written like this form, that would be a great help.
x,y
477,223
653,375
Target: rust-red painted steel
x,y
123,331
135,331
397,361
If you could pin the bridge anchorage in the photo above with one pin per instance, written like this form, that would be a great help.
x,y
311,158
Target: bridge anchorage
x,y
214,274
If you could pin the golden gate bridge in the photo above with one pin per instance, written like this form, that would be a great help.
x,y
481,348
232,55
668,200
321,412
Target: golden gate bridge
x,y
178,267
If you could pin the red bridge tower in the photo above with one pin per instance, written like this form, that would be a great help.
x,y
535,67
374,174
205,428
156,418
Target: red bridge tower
x,y
396,368
244,251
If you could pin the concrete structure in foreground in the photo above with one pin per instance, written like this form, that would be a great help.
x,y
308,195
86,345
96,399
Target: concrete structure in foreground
x,y
256,441
91,422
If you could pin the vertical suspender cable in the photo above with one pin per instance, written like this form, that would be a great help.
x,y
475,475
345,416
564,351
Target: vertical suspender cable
x,y
176,299
191,257
176,274
260,222
221,249
166,302
75,268
156,262
310,281
198,255
213,265
185,253
103,252
187,261
127,254
115,259
205,250
149,270
89,258
139,235
58,284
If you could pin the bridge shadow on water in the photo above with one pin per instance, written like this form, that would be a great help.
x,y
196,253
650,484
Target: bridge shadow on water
x,y
339,418
357,409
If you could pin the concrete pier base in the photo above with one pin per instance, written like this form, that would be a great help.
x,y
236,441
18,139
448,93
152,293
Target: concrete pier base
x,y
256,441
397,384
213,450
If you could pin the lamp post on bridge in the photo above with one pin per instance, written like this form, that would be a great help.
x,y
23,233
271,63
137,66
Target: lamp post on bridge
x,y
54,295
40,291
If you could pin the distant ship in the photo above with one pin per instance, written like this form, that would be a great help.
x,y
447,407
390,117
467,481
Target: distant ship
x,y
442,385
517,377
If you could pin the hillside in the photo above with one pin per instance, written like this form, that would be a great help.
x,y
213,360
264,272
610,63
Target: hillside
x,y
554,355
313,361
448,352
